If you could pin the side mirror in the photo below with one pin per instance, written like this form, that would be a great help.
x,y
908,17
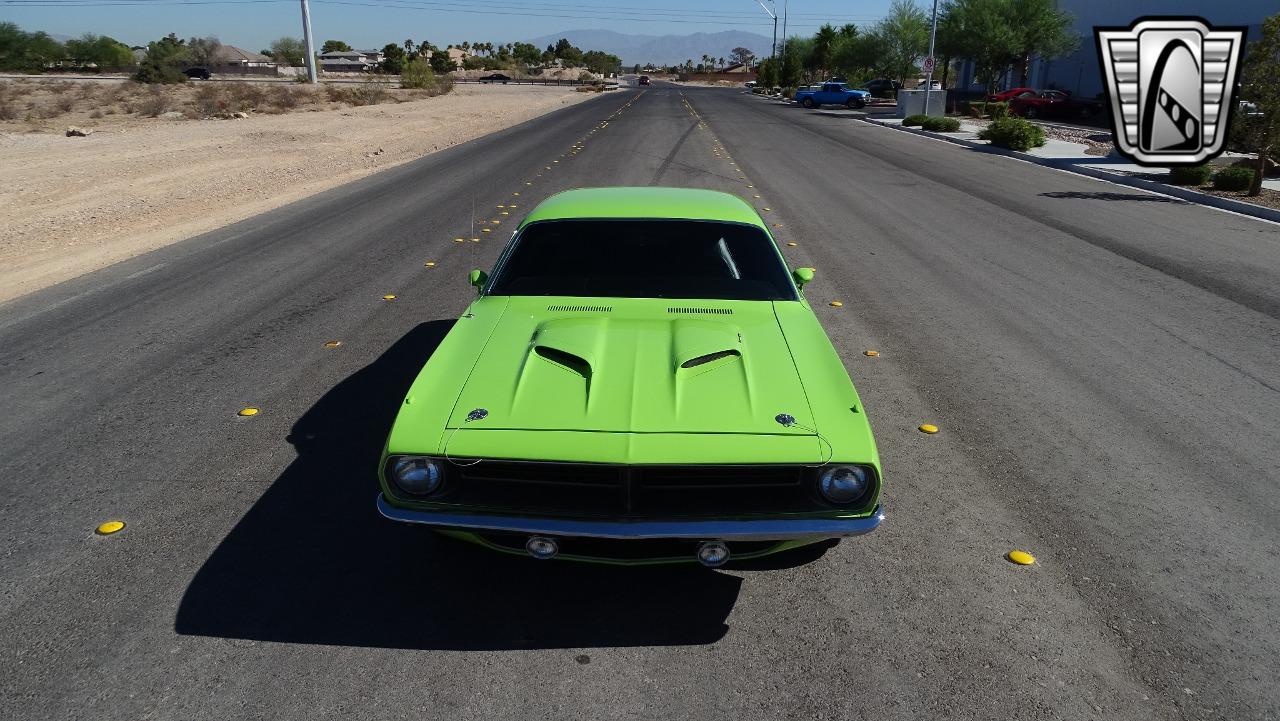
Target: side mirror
x,y
802,276
477,278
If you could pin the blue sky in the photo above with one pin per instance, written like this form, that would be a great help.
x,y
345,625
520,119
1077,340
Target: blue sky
x,y
253,24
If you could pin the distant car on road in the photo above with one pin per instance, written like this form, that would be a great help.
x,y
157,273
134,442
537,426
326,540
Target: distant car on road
x,y
496,78
832,94
1010,94
198,73
935,85
644,79
750,83
1052,103
882,87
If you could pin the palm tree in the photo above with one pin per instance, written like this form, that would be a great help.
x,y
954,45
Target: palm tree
x,y
721,64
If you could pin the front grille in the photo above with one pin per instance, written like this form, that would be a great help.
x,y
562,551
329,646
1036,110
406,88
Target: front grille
x,y
630,491
626,549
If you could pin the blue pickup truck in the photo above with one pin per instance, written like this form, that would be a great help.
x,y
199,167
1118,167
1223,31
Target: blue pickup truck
x,y
832,94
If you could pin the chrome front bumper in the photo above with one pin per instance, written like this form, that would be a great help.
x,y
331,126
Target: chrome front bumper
x,y
763,529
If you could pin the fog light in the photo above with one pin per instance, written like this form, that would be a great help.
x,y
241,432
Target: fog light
x,y
542,547
713,554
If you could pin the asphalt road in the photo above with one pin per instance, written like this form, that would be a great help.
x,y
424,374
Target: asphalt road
x,y
1101,362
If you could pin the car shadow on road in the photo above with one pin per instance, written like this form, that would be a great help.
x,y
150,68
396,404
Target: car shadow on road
x,y
313,562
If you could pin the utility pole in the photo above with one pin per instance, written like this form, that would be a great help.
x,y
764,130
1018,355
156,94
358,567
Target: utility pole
x,y
784,26
306,36
928,81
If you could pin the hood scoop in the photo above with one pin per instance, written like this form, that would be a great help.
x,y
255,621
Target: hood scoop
x,y
565,360
710,357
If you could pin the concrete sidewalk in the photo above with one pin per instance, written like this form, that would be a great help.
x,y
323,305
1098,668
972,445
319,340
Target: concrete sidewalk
x,y
1071,157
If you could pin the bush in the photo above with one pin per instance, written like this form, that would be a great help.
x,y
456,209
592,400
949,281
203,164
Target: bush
x,y
914,120
1233,179
417,74
283,98
1014,134
942,125
154,103
151,71
995,110
1190,175
245,96
208,101
370,92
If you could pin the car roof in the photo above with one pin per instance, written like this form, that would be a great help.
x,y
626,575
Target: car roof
x,y
646,202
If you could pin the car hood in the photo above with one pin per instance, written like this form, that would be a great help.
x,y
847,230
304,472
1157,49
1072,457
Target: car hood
x,y
634,366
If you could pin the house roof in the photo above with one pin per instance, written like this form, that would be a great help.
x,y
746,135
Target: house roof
x,y
233,54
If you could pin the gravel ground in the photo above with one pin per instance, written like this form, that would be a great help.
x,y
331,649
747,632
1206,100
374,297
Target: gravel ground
x,y
74,204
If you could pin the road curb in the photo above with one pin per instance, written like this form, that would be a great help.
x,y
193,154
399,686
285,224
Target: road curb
x,y
1072,165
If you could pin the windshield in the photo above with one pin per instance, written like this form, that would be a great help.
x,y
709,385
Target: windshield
x,y
644,259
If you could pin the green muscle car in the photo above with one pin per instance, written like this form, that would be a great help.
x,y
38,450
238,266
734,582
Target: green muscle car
x,y
639,381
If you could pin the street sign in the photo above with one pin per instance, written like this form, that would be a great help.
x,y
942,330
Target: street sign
x,y
928,64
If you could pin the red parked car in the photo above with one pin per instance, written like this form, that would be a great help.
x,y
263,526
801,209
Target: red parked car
x,y
1009,94
1052,103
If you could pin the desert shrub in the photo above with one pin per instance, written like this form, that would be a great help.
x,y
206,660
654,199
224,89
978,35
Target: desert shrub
x,y
417,74
57,87
914,120
8,108
1190,175
370,92
152,71
65,103
443,84
995,110
283,98
155,102
96,114
1233,178
207,101
336,93
245,96
942,125
88,91
1014,134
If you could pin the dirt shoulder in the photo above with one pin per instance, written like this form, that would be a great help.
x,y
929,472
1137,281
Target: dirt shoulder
x,y
75,204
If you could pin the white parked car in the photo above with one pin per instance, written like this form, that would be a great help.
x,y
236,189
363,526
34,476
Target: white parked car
x,y
936,85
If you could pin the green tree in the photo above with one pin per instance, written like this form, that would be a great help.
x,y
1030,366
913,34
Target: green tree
x,y
566,52
21,50
526,53
1041,30
335,46
164,57
906,34
767,73
392,59
980,30
862,55
291,51
601,62
99,50
822,51
1260,85
441,62
203,51
742,55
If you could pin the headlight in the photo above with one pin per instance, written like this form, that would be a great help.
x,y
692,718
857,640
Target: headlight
x,y
844,485
417,476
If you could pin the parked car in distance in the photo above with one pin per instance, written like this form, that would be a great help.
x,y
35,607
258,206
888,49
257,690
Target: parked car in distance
x,y
1006,95
496,78
640,381
882,87
198,73
1052,103
644,79
750,83
935,85
832,94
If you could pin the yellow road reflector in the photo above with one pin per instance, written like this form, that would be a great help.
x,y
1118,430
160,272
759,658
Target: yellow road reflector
x,y
791,244
928,428
475,240
108,528
389,296
513,205
503,212
777,225
500,205
247,412
750,185
766,208
528,183
430,264
1022,558
332,343
871,353
458,240
837,304
757,196
486,230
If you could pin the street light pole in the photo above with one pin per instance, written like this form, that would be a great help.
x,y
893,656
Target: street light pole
x,y
928,81
306,37
773,53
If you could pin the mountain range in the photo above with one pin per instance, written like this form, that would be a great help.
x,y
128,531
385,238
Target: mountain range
x,y
661,49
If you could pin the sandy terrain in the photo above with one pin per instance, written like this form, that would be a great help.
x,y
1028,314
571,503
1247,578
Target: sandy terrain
x,y
69,205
